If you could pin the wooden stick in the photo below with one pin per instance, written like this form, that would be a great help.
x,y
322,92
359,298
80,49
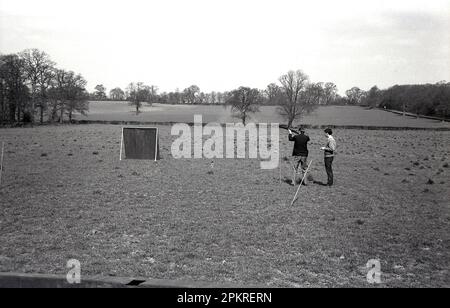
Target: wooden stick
x,y
279,166
1,163
298,189
121,146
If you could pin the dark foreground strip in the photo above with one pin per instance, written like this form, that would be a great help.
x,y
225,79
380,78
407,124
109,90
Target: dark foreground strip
x,y
172,292
19,280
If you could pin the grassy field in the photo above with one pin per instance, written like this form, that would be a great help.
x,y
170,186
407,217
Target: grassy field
x,y
66,195
329,115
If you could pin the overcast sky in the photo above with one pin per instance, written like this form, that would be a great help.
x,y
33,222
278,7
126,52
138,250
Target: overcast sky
x,y
220,45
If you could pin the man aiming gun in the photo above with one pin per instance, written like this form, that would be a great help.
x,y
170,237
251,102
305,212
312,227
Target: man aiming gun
x,y
300,151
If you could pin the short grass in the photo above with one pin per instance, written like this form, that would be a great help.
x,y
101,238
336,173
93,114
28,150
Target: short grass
x,y
324,115
66,195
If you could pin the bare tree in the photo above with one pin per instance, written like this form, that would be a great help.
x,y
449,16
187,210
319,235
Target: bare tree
x,y
329,93
44,82
152,94
2,89
243,102
272,94
293,103
14,92
137,93
314,93
76,95
37,67
68,95
59,94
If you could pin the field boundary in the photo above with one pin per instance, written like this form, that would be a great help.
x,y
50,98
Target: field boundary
x,y
307,126
25,280
412,115
153,123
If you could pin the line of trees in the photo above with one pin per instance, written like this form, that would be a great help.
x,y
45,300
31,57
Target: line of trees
x,y
420,99
194,96
190,95
295,96
424,99
33,89
32,86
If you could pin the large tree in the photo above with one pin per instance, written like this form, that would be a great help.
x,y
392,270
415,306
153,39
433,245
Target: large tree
x,y
355,95
14,92
272,94
372,99
191,94
77,96
294,101
117,94
137,93
330,92
100,92
38,70
314,93
152,94
243,102
212,98
2,91
68,95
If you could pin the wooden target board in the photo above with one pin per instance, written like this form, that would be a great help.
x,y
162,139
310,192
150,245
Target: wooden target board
x,y
139,143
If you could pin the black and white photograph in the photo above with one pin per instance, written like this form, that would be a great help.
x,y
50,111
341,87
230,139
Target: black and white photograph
x,y
222,145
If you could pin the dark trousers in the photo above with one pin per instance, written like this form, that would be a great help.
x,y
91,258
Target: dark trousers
x,y
329,169
301,162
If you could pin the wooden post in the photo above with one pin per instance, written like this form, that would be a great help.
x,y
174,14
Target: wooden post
x,y
121,146
1,163
279,165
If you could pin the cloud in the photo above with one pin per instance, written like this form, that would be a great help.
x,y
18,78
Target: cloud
x,y
224,44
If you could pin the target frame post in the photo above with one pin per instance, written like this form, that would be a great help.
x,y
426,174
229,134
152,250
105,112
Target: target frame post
x,y
1,162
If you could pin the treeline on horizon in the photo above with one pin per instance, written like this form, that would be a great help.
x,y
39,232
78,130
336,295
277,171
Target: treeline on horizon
x,y
33,89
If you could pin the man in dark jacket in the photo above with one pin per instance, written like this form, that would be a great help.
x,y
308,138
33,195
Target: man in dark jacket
x,y
300,150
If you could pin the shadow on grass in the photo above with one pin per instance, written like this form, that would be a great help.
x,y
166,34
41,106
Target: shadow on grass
x,y
288,181
320,183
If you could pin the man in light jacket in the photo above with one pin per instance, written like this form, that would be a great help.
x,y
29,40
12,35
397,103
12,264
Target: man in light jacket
x,y
329,151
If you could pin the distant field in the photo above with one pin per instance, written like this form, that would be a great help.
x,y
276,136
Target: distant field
x,y
329,115
66,195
